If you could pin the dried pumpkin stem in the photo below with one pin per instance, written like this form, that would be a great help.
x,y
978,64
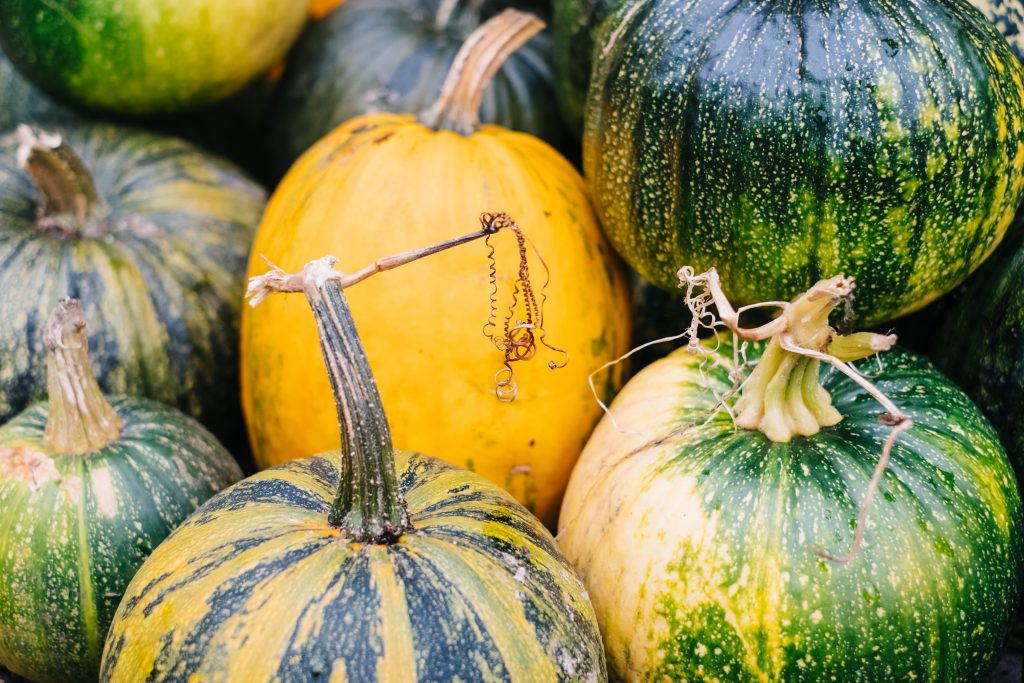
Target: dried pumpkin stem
x,y
70,204
79,418
481,57
369,505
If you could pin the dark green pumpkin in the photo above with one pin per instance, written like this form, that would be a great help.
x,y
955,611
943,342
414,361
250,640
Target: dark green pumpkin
x,y
785,142
1008,16
981,341
700,542
576,24
364,564
158,263
370,56
79,515
22,102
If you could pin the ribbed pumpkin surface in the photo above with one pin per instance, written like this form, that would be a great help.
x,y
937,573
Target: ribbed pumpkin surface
x,y
452,599
786,142
75,528
161,288
719,579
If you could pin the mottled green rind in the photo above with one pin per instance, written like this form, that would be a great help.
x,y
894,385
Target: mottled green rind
x,y
1008,16
932,593
981,342
70,542
339,70
161,293
787,142
21,102
476,565
576,24
147,56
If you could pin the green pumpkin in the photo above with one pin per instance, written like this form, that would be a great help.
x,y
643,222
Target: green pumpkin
x,y
339,70
722,529
88,487
783,143
990,307
576,23
147,56
153,235
1008,16
21,102
356,565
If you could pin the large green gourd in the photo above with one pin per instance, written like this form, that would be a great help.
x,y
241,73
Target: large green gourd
x,y
152,234
339,70
787,141
88,487
364,564
701,539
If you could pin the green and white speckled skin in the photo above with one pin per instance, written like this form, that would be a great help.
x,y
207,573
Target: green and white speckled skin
x,y
75,528
721,581
162,290
148,56
785,142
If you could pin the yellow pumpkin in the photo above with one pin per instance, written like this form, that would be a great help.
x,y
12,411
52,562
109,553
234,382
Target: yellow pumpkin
x,y
386,183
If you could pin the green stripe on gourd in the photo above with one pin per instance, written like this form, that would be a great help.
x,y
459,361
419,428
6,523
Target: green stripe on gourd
x,y
157,262
784,143
88,487
726,576
357,565
148,56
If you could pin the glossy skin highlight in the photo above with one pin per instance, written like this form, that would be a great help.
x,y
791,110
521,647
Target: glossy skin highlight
x,y
719,580
783,143
384,184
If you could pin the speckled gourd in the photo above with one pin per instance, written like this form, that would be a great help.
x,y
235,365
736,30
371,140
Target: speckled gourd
x,y
151,234
361,564
89,485
726,525
786,142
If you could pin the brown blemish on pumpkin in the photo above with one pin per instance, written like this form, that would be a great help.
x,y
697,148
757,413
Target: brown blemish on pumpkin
x,y
383,138
28,465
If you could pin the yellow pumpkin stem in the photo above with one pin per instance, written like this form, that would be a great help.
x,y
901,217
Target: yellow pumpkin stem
x,y
70,203
79,420
369,505
480,58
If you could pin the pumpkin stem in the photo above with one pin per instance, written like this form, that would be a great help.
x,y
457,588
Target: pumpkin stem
x,y
369,505
70,203
79,419
480,58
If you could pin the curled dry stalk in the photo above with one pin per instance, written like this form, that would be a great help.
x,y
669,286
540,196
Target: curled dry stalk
x,y
781,396
518,341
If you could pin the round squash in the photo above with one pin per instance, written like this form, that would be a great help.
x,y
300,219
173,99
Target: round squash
x,y
721,529
23,103
385,183
88,487
339,71
361,564
784,143
990,307
152,235
1008,16
576,24
147,56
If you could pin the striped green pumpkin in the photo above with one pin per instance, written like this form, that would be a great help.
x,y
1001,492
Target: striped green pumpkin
x,y
76,522
147,56
158,264
719,579
339,70
785,142
357,565
1008,16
